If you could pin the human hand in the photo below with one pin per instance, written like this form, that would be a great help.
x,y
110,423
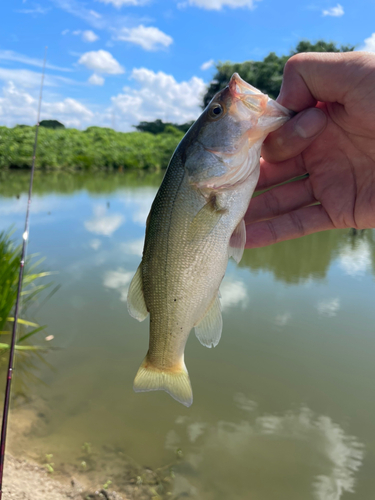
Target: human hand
x,y
333,141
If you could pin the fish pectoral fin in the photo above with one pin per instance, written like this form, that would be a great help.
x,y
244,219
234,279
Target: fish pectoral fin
x,y
136,301
237,242
208,330
175,382
206,219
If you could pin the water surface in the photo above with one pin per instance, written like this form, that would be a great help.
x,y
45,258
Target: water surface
x,y
284,406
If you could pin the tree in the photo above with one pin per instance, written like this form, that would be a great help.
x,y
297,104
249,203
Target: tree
x,y
265,75
51,124
158,126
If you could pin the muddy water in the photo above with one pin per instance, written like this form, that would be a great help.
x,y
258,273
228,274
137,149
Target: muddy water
x,y
284,406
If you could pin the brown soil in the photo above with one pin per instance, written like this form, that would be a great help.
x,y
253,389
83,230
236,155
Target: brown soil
x,y
26,477
23,480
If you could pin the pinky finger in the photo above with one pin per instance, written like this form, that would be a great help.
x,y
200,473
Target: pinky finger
x,y
287,227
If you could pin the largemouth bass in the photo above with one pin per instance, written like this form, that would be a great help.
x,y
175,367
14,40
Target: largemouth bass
x,y
195,224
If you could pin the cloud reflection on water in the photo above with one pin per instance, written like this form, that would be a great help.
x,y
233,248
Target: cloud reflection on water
x,y
102,224
233,293
355,259
329,307
295,455
119,280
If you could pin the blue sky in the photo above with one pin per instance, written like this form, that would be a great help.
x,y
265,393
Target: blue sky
x,y
118,62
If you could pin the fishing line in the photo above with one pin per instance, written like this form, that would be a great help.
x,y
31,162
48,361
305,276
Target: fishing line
x,y
25,238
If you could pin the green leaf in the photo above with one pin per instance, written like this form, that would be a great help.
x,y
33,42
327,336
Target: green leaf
x,y
33,332
23,322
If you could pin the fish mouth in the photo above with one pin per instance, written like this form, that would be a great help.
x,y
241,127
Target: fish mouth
x,y
255,100
239,88
251,97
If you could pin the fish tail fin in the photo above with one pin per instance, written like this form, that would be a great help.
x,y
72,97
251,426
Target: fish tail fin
x,y
175,381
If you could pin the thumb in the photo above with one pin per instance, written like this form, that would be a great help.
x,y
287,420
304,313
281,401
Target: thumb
x,y
293,137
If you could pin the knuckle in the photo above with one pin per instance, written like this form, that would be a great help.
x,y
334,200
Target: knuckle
x,y
297,223
272,231
271,202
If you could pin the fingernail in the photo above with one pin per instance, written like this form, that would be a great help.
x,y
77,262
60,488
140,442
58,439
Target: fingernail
x,y
310,122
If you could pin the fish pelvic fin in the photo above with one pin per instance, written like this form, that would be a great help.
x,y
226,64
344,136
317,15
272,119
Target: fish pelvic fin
x,y
209,328
175,381
136,301
237,242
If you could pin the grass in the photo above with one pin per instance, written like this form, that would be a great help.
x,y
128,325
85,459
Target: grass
x,y
10,255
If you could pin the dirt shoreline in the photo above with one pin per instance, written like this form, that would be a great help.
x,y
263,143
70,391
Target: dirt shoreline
x,y
106,473
26,481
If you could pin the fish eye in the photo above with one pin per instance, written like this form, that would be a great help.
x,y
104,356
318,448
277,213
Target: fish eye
x,y
216,110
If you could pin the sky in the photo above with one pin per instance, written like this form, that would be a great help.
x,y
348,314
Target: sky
x,y
114,63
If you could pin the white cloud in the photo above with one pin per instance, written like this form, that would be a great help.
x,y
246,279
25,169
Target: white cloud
x,y
119,280
219,4
77,9
95,244
195,430
65,32
103,224
18,106
89,36
96,79
101,61
207,65
244,403
134,247
24,78
293,444
369,43
328,308
10,55
119,3
283,318
233,293
37,9
95,14
159,96
356,260
337,11
148,37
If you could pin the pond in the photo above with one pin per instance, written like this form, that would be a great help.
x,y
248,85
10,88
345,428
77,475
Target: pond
x,y
284,406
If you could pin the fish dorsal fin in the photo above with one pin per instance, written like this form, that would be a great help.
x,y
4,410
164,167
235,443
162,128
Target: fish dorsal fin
x,y
206,219
136,301
237,242
208,330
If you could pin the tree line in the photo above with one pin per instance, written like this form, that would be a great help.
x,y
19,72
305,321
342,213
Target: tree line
x,y
152,144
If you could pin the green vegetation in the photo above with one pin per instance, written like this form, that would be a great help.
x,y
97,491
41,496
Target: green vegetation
x,y
297,261
9,270
158,127
16,182
95,148
51,124
265,75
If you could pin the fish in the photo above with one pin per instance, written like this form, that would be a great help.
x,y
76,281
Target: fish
x,y
196,223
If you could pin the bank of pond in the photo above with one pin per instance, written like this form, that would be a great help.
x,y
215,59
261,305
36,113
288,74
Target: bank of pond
x,y
93,148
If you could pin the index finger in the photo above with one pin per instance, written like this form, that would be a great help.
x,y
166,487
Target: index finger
x,y
327,77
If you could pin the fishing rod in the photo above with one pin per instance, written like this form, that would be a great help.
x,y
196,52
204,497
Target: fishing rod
x,y
25,238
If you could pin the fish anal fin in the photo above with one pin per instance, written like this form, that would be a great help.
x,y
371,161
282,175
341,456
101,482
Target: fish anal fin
x,y
174,381
136,301
206,219
237,242
208,330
